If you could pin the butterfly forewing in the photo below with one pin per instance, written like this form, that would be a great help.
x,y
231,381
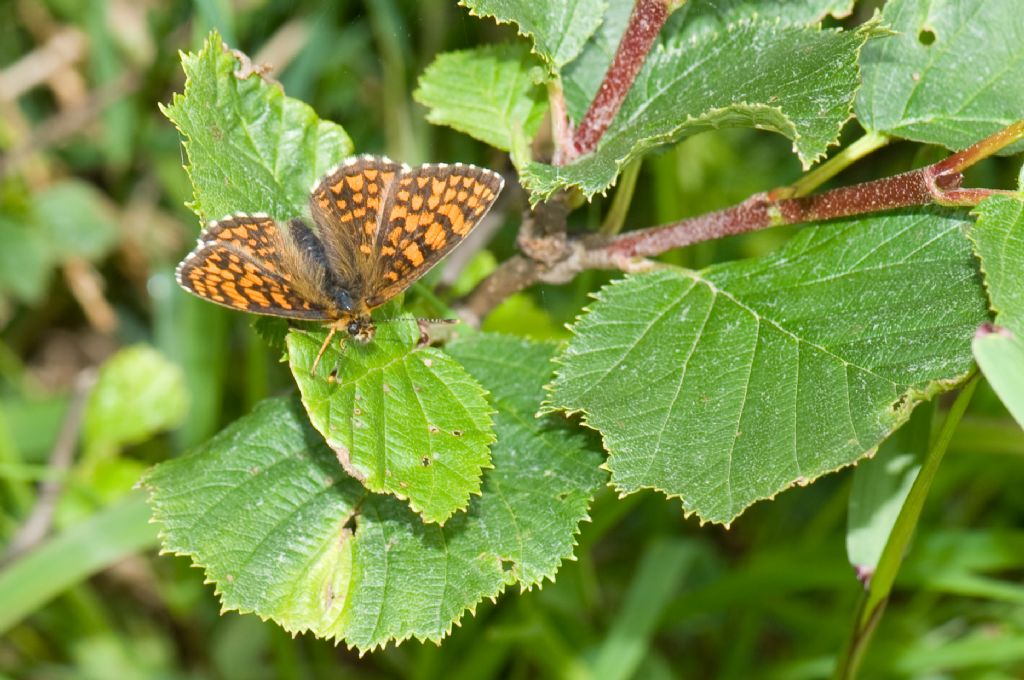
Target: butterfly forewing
x,y
242,262
429,210
346,206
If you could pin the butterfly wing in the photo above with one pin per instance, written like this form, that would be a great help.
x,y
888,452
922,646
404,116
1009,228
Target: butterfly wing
x,y
248,262
429,210
346,206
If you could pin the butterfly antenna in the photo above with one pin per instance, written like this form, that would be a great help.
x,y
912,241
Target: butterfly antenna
x,y
424,326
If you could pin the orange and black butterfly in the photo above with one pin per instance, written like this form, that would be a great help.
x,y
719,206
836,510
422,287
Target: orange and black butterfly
x,y
380,226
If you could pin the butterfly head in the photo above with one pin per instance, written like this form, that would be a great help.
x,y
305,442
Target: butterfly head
x,y
361,329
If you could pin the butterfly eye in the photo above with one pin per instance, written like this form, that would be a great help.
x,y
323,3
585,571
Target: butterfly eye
x,y
353,328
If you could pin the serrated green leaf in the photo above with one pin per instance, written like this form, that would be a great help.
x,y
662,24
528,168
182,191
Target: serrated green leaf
x,y
999,242
559,28
405,421
730,385
1000,355
950,75
138,392
250,148
283,532
492,93
694,18
880,487
703,15
688,86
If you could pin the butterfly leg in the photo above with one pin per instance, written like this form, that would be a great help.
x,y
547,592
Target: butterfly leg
x,y
323,348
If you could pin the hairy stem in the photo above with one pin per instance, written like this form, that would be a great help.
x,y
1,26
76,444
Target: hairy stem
x,y
934,184
644,25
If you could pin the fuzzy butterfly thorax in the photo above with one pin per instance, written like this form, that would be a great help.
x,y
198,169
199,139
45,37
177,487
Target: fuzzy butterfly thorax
x,y
379,226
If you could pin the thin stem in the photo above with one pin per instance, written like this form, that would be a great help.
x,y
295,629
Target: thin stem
x,y
561,127
872,603
616,216
36,527
992,144
867,144
645,23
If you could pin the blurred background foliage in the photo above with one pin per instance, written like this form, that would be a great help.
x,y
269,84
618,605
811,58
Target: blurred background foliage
x,y
107,367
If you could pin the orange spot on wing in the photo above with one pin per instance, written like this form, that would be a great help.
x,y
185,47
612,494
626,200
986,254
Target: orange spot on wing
x,y
422,181
413,254
435,237
354,182
282,301
457,219
258,297
371,175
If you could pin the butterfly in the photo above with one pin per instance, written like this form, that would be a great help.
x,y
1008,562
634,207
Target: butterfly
x,y
380,226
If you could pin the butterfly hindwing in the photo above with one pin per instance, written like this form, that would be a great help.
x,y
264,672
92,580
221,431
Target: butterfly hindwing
x,y
429,210
245,262
346,206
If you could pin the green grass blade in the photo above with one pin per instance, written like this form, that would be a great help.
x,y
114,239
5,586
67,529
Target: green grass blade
x,y
73,556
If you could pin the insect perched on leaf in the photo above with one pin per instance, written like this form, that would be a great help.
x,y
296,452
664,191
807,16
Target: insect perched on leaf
x,y
381,225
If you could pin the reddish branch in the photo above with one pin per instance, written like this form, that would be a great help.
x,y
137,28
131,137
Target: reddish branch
x,y
644,25
938,183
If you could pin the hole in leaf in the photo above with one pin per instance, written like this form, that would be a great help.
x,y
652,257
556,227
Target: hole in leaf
x,y
562,496
456,433
507,565
425,461
926,37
